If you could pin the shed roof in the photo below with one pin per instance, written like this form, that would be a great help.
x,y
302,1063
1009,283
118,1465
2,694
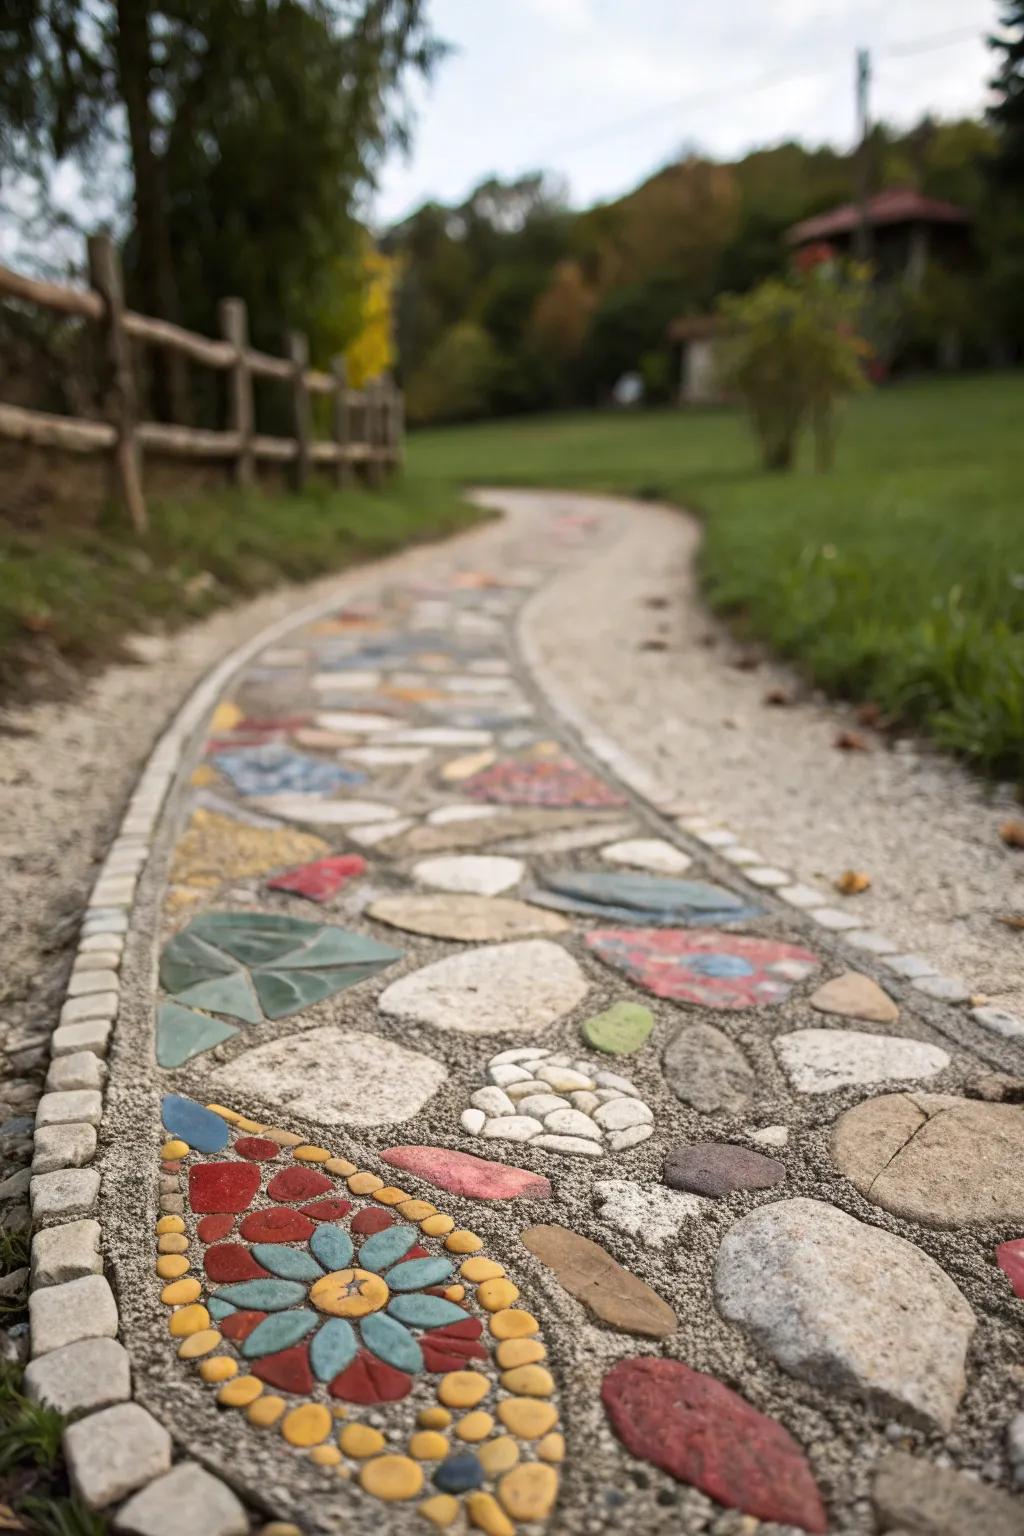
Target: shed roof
x,y
896,205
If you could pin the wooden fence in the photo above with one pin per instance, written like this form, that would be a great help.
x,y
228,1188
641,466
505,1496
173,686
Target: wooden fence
x,y
367,424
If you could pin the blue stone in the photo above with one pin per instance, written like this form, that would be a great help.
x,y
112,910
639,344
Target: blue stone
x,y
288,1263
272,770
332,1246
200,1127
182,1034
417,1274
278,1332
387,1247
719,965
425,1311
263,1295
332,1349
459,1473
219,1309
391,1343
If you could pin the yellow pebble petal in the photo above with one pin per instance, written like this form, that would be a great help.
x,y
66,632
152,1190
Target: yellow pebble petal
x,y
230,1115
486,1514
359,1440
527,1417
463,1242
311,1154
225,717
392,1477
436,1226
220,1368
441,1510
551,1448
513,1325
474,1427
169,1266
202,776
181,1291
188,1320
250,1126
433,1418
476,1270
498,1455
265,1411
462,1389
340,1165
529,1381
389,1195
494,1295
307,1425
513,1352
169,1224
240,1392
171,1242
415,1210
279,1528
365,1183
173,1149
428,1445
199,1343
325,1455
529,1491
283,1138
455,1292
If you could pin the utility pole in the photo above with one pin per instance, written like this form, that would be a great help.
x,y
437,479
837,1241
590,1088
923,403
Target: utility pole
x,y
862,241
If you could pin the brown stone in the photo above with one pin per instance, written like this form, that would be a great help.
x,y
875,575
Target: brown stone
x,y
474,919
716,1168
854,996
603,1286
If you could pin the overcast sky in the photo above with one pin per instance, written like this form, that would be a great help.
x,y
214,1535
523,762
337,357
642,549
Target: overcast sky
x,y
605,91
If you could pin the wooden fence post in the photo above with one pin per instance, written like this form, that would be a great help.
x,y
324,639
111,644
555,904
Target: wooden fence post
x,y
373,426
339,405
119,390
298,354
234,327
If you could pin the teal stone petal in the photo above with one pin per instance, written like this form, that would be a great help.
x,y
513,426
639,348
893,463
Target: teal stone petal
x,y
425,1311
392,1343
286,992
387,1247
416,1274
288,1263
187,959
278,1332
182,1034
263,1295
200,1127
333,947
219,1309
332,1349
332,1246
225,994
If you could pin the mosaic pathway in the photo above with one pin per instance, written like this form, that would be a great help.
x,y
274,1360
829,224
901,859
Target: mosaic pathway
x,y
442,1133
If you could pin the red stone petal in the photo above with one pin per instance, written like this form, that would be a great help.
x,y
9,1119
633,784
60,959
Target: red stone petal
x,y
239,1325
288,1369
369,1380
461,1174
276,1226
232,1261
1010,1258
467,1328
222,1186
257,1149
322,879
272,723
450,1354
371,1220
327,1210
212,1228
298,1184
701,1432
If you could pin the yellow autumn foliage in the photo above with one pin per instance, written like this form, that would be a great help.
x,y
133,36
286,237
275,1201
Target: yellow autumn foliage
x,y
372,352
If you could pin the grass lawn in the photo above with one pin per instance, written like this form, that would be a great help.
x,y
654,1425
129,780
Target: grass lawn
x,y
898,578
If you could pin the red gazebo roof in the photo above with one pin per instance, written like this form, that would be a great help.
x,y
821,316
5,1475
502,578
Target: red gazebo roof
x,y
897,205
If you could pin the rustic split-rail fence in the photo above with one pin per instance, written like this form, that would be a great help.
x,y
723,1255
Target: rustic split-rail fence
x,y
367,424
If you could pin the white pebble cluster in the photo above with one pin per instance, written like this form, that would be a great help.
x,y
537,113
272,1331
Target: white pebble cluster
x,y
562,1105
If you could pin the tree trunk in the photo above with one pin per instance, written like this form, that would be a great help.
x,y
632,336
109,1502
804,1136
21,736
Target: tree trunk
x,y
157,284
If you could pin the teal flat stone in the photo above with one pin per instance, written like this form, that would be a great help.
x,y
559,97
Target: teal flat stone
x,y
417,1274
425,1311
182,1034
218,1309
392,1343
333,1347
332,1246
225,994
200,1127
621,1029
278,1332
263,1295
286,1263
386,1248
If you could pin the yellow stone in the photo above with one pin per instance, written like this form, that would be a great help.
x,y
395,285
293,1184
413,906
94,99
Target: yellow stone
x,y
464,767
279,1528
428,1445
173,1149
181,1291
476,1270
350,1293
487,1515
283,1138
311,1154
527,1417
199,1343
170,1266
498,1455
178,896
340,1165
171,1242
433,1418
463,1242
513,1325
169,1224
265,1411
475,1426
325,1455
455,1292
365,1183
462,1389
551,1448
494,1295
230,1115
529,1491
513,1352
360,1441
244,1124
389,1195
529,1381
436,1226
441,1510
307,1425
240,1392
203,776
215,848
392,1478
220,1368
188,1320
225,717
415,1210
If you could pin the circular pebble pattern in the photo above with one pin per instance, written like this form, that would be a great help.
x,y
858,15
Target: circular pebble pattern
x,y
559,1103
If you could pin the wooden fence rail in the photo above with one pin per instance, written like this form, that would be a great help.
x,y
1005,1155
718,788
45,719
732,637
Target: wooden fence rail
x,y
378,408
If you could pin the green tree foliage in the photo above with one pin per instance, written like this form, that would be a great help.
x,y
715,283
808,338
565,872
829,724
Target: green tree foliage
x,y
1008,112
457,380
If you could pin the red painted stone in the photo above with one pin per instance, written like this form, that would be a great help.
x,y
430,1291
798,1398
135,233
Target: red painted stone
x,y
701,1432
232,1261
171,1167
369,1380
326,1210
298,1184
461,1174
1010,1258
222,1186
371,1220
272,723
239,1325
288,1369
448,1349
276,1226
212,1228
322,879
256,1149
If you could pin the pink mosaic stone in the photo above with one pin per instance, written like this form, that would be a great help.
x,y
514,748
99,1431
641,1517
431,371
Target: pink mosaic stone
x,y
713,970
556,781
1010,1258
321,879
461,1174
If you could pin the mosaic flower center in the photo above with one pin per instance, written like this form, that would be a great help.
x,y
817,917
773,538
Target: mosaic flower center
x,y
350,1293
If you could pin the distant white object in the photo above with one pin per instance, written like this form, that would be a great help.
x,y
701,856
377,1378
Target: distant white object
x,y
628,390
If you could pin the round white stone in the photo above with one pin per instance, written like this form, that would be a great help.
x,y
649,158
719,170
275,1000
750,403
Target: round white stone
x,y
521,986
539,1104
622,1113
506,1075
473,1121
513,1128
493,1102
471,874
571,1144
652,853
569,1122
564,1079
819,1060
621,1141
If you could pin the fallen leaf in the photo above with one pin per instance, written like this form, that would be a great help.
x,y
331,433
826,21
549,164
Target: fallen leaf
x,y
851,741
656,602
852,881
1013,920
1012,834
778,696
869,713
748,662
654,645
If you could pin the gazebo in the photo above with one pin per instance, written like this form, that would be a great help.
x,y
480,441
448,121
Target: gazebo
x,y
906,231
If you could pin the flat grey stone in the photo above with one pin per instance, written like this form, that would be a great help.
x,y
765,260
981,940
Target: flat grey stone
x,y
911,966
512,1128
14,1187
472,874
705,1070
493,1101
99,1005
569,1144
834,918
84,1105
1000,1021
935,1501
97,960
621,1141
64,1314
80,1377
803,896
523,986
821,1060
63,1146
717,1168
1015,1448
945,988
78,1069
90,1035
650,853
84,983
66,1253
113,1452
186,1499
65,1193
648,1213
849,1307
473,919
